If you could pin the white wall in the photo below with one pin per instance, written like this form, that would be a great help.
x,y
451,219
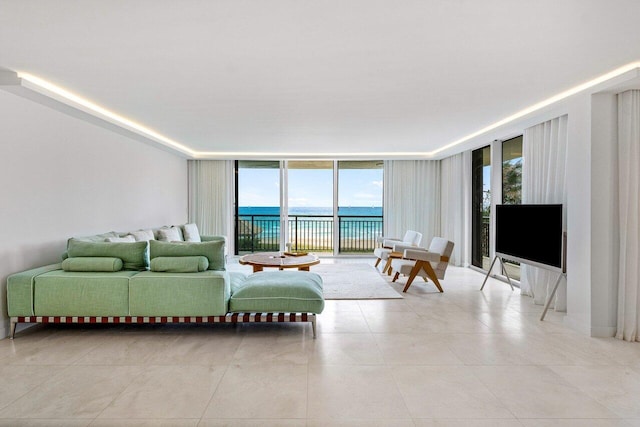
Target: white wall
x,y
592,230
605,240
579,214
62,177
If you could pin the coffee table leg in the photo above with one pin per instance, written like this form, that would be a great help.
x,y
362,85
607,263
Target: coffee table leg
x,y
257,268
303,268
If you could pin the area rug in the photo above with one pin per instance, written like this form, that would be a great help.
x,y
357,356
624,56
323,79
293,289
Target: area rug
x,y
354,281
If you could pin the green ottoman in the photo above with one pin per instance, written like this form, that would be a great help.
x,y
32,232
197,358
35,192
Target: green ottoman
x,y
277,292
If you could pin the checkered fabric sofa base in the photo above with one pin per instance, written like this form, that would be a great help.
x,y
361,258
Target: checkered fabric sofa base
x,y
228,318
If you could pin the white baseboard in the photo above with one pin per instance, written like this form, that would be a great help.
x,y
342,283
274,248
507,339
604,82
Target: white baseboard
x,y
584,328
604,331
577,325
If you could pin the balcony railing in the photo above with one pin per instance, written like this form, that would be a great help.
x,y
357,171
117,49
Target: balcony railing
x,y
261,233
485,236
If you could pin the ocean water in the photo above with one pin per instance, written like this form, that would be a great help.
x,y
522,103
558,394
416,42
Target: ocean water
x,y
342,211
357,222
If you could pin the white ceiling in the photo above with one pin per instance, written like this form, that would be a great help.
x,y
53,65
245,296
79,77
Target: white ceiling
x,y
318,77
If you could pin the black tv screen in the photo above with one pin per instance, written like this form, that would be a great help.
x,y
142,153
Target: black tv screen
x,y
531,234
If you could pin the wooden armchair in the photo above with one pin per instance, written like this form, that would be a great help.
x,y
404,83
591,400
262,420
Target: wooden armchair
x,y
411,238
428,264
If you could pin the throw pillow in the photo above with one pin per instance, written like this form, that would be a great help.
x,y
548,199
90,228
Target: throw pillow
x,y
97,237
108,264
213,251
125,239
179,264
169,235
190,232
142,235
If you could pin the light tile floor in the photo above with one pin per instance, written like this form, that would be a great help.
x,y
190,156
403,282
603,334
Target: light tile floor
x,y
462,358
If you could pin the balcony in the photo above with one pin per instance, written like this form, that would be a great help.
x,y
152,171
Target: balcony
x,y
309,233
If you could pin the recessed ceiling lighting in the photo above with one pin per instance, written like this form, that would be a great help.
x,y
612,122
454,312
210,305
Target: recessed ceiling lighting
x,y
104,113
63,95
540,105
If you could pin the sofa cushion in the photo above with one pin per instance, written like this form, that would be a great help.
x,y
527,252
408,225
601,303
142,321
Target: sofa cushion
x,y
179,264
96,237
172,234
213,251
278,292
142,235
179,294
64,293
190,233
92,264
125,239
131,254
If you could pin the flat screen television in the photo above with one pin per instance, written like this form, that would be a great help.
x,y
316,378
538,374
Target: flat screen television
x,y
530,234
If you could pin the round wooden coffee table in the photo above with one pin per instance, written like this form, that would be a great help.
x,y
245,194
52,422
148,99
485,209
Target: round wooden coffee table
x,y
278,260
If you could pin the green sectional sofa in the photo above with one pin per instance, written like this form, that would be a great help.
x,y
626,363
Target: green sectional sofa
x,y
152,281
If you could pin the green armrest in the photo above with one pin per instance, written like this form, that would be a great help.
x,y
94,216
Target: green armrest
x,y
20,290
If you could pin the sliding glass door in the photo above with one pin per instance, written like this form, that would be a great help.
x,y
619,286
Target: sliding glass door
x,y
333,207
310,205
512,186
359,205
257,206
480,207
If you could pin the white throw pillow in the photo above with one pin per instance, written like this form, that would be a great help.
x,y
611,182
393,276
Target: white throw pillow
x,y
126,239
142,235
169,235
191,233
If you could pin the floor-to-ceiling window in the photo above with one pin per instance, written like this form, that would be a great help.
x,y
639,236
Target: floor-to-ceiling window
x,y
512,186
359,205
310,205
480,206
320,206
258,206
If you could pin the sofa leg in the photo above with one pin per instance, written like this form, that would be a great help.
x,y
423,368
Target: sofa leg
x,y
12,329
313,327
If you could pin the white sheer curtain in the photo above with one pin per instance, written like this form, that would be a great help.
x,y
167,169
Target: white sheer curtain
x,y
455,205
211,195
412,198
629,202
544,152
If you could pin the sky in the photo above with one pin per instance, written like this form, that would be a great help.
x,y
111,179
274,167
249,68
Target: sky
x,y
311,187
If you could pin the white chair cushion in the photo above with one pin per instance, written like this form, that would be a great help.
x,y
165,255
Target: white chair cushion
x,y
412,237
422,255
404,266
438,249
389,243
382,253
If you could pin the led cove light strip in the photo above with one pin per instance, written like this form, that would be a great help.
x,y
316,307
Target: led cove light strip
x,y
95,108
121,120
239,154
540,105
